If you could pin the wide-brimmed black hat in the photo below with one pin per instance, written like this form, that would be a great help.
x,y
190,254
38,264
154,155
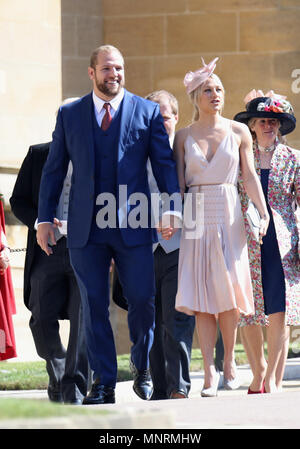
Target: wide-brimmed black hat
x,y
267,107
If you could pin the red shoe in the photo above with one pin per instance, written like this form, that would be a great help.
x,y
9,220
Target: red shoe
x,y
263,390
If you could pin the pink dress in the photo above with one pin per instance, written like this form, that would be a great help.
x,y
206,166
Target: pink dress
x,y
213,271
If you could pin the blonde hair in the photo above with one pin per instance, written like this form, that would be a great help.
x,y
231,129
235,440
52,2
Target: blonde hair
x,y
158,94
194,95
251,122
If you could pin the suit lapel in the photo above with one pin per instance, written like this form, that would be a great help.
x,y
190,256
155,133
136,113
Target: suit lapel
x,y
127,115
87,125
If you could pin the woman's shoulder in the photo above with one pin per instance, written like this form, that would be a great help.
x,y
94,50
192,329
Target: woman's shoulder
x,y
241,132
183,131
182,134
239,128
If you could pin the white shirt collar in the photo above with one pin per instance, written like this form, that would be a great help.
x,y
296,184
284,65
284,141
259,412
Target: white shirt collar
x,y
115,102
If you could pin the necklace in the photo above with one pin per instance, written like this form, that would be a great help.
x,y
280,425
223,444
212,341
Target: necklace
x,y
267,149
265,155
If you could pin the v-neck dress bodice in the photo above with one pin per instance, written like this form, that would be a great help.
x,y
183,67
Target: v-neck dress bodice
x,y
213,271
222,168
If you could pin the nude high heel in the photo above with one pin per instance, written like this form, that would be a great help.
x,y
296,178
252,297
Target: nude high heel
x,y
213,389
232,384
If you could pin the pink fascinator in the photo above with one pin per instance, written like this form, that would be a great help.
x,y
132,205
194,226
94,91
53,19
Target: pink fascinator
x,y
192,80
259,93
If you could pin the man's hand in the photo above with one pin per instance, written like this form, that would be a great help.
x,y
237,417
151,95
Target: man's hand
x,y
168,225
45,232
57,223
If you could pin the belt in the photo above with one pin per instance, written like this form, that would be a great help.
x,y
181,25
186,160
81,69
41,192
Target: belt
x,y
205,185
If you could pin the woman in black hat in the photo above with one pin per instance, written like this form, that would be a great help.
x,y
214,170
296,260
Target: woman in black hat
x,y
275,265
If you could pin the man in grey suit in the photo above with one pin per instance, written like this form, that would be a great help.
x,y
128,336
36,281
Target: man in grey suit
x,y
173,336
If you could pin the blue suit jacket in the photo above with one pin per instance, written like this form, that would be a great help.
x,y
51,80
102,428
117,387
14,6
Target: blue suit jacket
x,y
142,135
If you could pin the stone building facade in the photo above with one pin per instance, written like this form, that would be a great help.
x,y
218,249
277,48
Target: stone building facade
x,y
46,45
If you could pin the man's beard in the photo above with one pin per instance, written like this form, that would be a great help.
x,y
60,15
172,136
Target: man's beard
x,y
108,89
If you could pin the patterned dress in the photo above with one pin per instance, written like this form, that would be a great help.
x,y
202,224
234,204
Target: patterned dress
x,y
283,196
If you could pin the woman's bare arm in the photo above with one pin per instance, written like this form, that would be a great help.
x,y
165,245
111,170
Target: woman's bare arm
x,y
251,180
178,149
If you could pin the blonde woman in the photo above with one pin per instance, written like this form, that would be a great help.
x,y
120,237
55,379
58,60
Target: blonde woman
x,y
214,276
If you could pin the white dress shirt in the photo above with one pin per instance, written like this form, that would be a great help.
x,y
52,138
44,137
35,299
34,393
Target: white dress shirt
x,y
99,103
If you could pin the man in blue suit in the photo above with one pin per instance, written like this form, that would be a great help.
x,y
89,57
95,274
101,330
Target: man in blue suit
x,y
109,135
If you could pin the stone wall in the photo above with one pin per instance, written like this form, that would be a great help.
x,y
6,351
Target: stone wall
x,y
258,42
30,93
81,31
30,74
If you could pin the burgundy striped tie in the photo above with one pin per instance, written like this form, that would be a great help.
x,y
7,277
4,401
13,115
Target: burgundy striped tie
x,y
107,117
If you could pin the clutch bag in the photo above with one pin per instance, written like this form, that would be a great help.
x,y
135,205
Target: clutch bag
x,y
253,218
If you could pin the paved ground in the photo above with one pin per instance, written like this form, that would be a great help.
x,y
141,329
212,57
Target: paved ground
x,y
230,410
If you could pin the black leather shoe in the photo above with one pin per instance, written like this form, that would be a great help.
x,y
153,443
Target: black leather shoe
x,y
100,394
54,393
178,394
74,401
142,384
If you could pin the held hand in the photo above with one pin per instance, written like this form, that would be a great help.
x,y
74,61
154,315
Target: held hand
x,y
166,233
44,233
57,223
168,226
264,223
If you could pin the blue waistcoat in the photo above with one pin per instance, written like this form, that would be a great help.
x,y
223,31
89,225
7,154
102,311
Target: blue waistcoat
x,y
106,155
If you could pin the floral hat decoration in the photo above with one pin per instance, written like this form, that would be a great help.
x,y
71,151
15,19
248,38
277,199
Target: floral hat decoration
x,y
270,105
192,80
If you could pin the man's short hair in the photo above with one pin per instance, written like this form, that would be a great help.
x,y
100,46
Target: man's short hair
x,y
157,94
103,49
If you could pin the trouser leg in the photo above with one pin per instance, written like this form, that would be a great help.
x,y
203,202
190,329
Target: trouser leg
x,y
136,273
74,382
91,265
157,355
46,302
179,328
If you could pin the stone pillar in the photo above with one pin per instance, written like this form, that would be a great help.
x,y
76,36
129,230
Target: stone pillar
x,y
30,93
